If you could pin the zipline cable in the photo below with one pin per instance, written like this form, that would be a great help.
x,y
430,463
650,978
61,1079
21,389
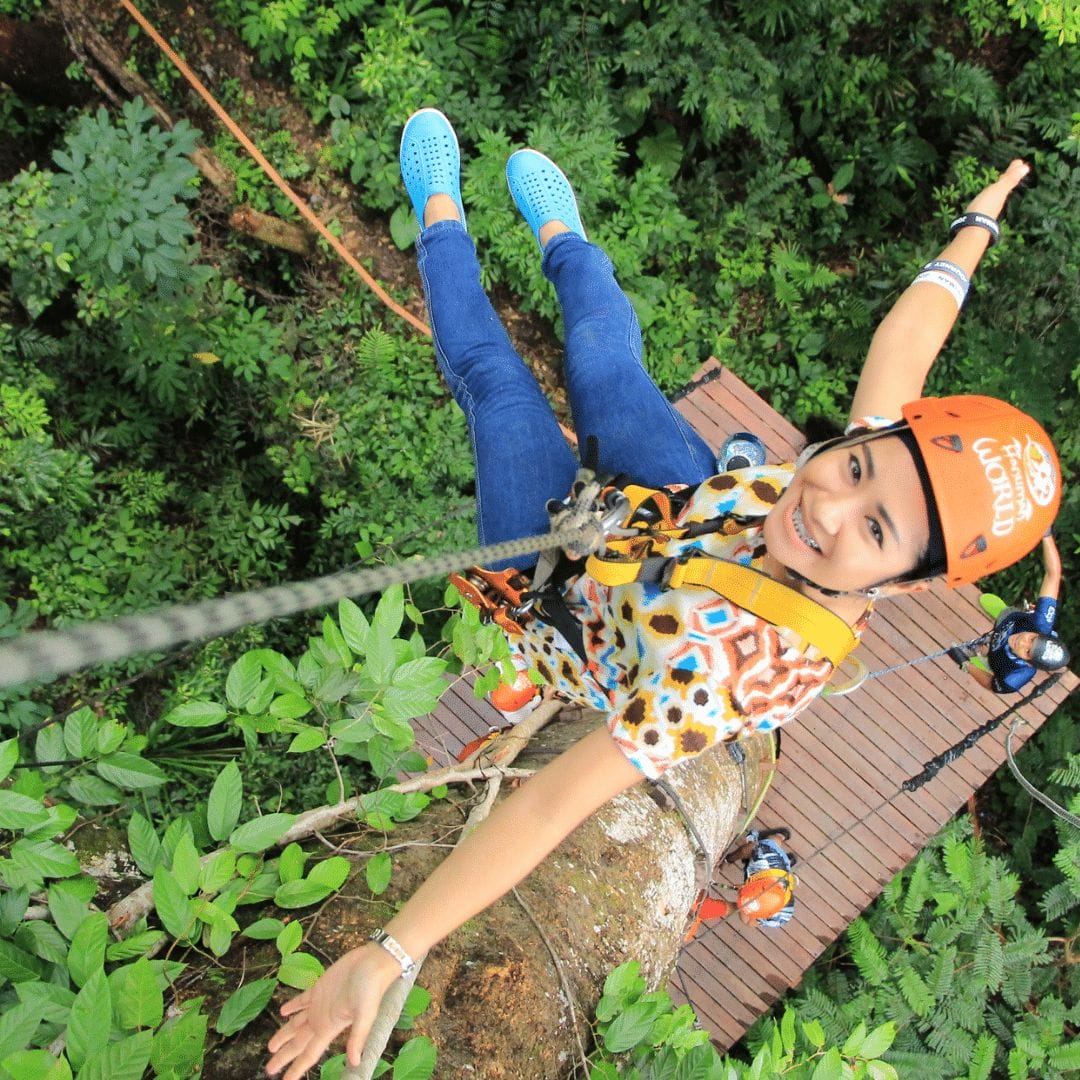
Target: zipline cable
x,y
43,654
234,129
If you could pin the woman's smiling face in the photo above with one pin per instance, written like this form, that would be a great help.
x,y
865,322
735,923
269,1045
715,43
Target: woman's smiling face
x,y
853,516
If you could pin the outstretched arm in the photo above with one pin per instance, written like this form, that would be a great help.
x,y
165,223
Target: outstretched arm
x,y
1051,582
502,850
909,338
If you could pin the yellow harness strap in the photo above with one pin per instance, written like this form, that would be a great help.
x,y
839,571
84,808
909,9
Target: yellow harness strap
x,y
749,589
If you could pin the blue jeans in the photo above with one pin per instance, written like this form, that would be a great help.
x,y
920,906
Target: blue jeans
x,y
522,458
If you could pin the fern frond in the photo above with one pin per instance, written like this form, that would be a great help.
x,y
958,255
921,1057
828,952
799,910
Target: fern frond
x,y
868,953
915,991
1058,900
34,344
954,1045
982,1061
956,856
919,890
989,966
941,977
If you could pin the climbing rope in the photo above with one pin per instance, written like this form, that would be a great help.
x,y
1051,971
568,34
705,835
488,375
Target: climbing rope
x,y
862,675
932,767
1029,787
45,654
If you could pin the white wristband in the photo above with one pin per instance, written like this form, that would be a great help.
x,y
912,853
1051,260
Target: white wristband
x,y
393,947
944,281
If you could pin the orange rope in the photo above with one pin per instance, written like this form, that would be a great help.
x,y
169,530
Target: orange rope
x,y
256,153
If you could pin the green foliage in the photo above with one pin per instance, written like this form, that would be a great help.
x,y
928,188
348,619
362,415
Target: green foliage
x,y
642,1037
118,204
63,972
971,984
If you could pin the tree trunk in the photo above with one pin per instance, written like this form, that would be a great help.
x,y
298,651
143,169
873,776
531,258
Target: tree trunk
x,y
620,888
33,57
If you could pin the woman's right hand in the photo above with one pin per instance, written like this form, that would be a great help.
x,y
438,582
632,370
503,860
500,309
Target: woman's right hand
x,y
347,995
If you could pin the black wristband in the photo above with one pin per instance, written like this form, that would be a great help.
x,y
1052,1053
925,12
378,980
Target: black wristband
x,y
981,221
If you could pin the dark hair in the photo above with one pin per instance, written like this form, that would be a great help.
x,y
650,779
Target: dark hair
x,y
933,560
1048,653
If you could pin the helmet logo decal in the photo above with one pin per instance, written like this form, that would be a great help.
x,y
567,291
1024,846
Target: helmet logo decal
x,y
1007,470
949,442
1039,473
976,547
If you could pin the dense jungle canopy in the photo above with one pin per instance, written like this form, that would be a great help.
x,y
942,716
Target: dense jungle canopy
x,y
197,396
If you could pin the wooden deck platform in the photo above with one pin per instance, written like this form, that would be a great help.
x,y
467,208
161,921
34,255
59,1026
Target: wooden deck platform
x,y
838,783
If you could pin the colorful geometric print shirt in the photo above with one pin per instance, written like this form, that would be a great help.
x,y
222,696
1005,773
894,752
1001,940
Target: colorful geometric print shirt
x,y
679,671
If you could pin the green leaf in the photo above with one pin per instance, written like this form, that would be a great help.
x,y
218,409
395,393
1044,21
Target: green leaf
x,y
355,627
332,872
177,1049
225,802
290,706
291,863
830,1066
144,845
310,738
123,1060
415,1060
19,966
87,953
288,941
134,946
19,812
404,227
879,1040
51,1002
853,1044
68,902
196,714
9,757
629,1027
142,1004
80,733
263,929
262,832
299,970
43,940
17,1027
378,872
298,894
90,1019
44,859
186,866
815,1033
244,1005
171,902
843,176
243,680
88,790
130,771
389,612
36,1065
217,870
336,641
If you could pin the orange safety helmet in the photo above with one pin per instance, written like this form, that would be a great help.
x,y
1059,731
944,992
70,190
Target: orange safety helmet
x,y
995,476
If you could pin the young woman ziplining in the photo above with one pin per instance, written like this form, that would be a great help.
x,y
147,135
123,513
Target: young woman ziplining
x,y
918,490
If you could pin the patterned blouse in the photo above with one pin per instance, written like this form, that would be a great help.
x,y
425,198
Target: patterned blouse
x,y
679,671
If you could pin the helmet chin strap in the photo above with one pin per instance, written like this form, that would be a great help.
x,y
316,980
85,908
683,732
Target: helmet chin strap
x,y
825,591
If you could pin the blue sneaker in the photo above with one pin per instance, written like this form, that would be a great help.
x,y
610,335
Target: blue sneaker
x,y
542,192
430,160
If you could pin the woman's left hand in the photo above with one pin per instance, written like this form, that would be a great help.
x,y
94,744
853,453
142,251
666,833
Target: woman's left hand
x,y
991,200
